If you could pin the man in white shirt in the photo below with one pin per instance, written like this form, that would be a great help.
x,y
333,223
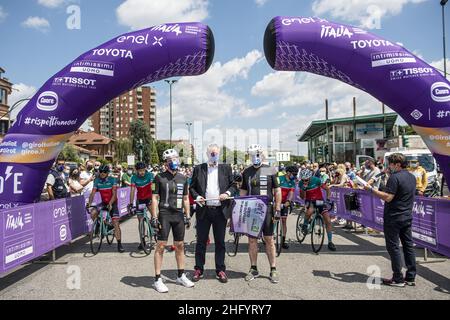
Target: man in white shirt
x,y
212,184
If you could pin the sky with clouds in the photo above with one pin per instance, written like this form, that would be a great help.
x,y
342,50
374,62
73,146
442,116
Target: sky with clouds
x,y
240,91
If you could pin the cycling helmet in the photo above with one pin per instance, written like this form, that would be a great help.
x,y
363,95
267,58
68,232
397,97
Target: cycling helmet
x,y
292,169
255,148
140,165
104,168
306,174
170,153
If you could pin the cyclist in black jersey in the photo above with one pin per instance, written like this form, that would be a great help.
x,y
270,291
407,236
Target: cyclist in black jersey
x,y
261,179
170,197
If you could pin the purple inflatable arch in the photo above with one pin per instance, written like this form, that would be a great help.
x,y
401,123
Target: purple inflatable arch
x,y
384,69
68,98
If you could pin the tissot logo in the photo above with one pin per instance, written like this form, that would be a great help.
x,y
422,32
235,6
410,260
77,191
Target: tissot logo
x,y
47,101
440,92
74,81
411,73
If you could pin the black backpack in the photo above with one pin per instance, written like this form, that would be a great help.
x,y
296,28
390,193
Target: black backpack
x,y
351,201
59,188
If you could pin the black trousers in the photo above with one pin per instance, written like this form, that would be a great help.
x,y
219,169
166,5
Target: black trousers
x,y
393,232
214,217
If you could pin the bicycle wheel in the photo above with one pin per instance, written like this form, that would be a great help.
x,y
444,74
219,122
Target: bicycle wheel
x,y
189,249
96,236
109,234
232,247
278,236
145,236
298,230
317,233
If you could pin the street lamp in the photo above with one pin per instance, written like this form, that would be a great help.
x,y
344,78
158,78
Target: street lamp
x,y
171,82
443,3
189,124
15,105
298,150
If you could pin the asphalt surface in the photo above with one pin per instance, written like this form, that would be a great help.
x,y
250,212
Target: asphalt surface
x,y
343,274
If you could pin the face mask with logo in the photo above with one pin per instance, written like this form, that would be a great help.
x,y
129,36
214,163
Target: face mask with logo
x,y
60,168
256,160
173,165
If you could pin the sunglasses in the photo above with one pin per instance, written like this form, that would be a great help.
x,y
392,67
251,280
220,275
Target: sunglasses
x,y
104,171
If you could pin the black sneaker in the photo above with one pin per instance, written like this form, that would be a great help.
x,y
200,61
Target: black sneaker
x,y
393,283
411,283
331,246
285,245
140,248
120,248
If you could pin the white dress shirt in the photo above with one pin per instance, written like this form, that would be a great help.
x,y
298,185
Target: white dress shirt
x,y
212,186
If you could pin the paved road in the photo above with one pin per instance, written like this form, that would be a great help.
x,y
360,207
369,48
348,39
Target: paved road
x,y
303,275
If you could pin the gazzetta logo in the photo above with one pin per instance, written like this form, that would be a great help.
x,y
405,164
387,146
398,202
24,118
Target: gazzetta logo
x,y
440,92
47,101
411,73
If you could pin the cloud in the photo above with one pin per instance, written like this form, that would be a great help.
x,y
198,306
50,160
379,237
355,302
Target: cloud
x,y
367,12
138,14
20,91
3,14
51,3
260,3
300,99
37,23
439,64
204,98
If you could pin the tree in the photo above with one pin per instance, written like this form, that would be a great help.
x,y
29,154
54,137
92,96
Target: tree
x,y
140,131
123,148
155,153
406,130
232,156
298,159
70,153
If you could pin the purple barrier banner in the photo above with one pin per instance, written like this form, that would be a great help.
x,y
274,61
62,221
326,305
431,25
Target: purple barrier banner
x,y
431,217
28,232
248,215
